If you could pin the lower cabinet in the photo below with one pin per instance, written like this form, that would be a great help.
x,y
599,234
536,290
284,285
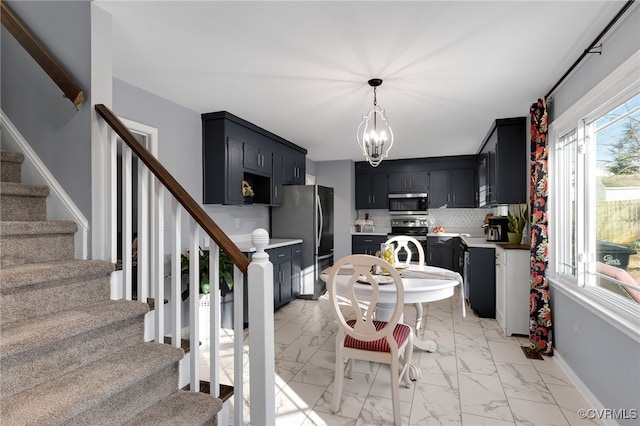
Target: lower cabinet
x,y
367,244
512,290
440,252
481,281
287,275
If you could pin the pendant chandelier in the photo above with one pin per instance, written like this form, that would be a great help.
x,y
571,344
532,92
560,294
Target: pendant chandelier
x,y
374,134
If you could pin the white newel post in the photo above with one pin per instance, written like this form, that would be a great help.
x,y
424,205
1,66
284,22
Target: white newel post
x,y
261,335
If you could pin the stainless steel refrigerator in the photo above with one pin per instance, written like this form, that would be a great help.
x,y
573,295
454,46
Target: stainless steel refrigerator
x,y
306,212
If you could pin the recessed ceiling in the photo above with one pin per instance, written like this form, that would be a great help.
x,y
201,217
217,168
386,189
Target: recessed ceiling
x,y
300,69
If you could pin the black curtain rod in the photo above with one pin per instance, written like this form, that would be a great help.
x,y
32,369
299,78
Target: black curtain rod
x,y
592,45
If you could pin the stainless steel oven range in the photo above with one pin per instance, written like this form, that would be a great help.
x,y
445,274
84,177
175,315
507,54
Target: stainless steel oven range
x,y
415,226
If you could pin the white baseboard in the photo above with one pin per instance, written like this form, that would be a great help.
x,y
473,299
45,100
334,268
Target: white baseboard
x,y
591,399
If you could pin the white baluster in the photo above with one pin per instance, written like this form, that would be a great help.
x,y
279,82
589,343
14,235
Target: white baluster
x,y
159,263
176,277
127,226
238,345
214,319
261,332
194,306
113,195
143,232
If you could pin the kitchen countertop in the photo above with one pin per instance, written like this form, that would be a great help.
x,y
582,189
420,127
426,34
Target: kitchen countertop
x,y
245,246
483,243
378,233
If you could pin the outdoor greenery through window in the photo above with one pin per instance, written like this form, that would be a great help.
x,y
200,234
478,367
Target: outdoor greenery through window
x,y
597,184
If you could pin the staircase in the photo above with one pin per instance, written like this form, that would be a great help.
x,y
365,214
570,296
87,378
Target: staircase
x,y
68,354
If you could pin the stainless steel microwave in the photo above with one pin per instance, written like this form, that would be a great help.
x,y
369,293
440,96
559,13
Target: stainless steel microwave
x,y
408,203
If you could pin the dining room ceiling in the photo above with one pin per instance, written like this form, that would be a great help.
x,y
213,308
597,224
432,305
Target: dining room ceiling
x,y
300,68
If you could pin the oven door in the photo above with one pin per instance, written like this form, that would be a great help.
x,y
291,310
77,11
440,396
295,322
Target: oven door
x,y
408,203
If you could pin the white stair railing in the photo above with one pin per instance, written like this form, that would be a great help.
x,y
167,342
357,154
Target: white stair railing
x,y
150,259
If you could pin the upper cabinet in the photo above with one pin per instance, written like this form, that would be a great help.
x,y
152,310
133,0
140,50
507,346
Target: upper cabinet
x,y
371,191
234,150
408,182
452,188
502,163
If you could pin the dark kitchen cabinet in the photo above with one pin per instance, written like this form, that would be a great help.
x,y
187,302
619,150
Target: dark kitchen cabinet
x,y
283,270
293,168
257,159
440,252
481,281
408,182
276,196
235,173
502,168
453,188
367,244
235,150
371,191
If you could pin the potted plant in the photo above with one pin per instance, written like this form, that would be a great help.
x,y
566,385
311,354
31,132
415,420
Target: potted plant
x,y
517,222
225,284
225,270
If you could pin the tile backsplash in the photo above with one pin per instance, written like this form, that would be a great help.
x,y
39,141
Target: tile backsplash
x,y
453,220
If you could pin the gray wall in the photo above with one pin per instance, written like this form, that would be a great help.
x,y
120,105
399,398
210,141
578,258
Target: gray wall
x,y
60,135
604,359
340,176
180,151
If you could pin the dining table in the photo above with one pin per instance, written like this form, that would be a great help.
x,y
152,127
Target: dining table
x,y
421,284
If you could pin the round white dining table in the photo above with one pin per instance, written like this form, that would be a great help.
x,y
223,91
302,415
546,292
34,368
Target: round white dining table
x,y
421,284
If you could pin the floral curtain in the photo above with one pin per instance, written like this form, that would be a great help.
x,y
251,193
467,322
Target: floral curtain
x,y
540,330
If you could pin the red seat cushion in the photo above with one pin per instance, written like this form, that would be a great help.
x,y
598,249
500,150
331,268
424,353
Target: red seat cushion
x,y
400,335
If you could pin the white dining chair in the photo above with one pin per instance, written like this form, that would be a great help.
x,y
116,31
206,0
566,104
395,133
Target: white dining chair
x,y
361,337
405,242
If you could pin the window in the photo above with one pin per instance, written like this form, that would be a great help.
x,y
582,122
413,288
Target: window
x,y
595,195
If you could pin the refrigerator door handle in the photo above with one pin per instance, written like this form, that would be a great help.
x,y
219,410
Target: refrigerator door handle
x,y
321,224
325,256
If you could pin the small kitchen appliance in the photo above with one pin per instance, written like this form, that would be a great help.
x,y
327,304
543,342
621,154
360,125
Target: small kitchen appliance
x,y
498,229
408,204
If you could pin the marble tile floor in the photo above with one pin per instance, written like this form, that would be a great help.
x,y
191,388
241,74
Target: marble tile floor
x,y
477,376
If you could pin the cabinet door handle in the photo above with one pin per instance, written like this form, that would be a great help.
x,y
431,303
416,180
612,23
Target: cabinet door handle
x,y
276,189
369,199
368,241
281,255
374,199
454,197
448,197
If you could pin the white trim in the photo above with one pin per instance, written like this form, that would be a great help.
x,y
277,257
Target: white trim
x,y
591,399
623,317
59,205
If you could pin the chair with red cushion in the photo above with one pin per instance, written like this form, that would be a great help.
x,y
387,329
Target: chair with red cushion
x,y
363,337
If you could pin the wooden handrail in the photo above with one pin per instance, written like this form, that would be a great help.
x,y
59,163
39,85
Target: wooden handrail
x,y
40,54
183,197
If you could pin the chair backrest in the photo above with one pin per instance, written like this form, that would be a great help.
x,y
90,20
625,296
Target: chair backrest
x,y
404,242
346,286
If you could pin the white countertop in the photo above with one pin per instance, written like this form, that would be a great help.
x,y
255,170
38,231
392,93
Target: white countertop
x,y
382,234
246,246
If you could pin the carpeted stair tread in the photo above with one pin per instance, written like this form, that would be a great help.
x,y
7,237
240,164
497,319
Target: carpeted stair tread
x,y
11,157
181,408
9,228
11,167
34,273
27,336
89,387
12,188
